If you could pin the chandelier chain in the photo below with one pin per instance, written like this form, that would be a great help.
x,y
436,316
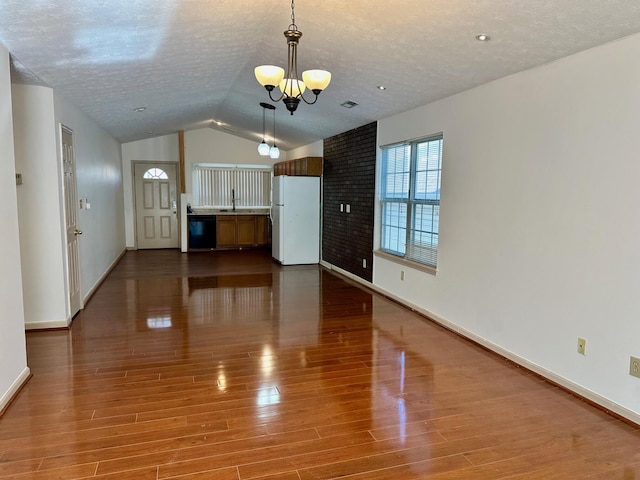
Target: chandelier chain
x,y
293,25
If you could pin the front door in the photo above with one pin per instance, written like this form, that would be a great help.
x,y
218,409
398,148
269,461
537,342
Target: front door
x,y
71,220
156,205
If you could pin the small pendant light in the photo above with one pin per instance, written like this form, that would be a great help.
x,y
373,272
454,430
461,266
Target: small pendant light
x,y
274,152
263,148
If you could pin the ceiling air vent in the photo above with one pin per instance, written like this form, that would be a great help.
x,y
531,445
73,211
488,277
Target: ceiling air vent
x,y
348,104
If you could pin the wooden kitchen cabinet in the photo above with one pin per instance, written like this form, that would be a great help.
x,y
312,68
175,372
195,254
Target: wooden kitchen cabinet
x,y
246,229
262,229
306,166
226,231
242,231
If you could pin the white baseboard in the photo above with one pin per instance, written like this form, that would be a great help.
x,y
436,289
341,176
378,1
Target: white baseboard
x,y
96,285
589,395
55,324
14,388
349,275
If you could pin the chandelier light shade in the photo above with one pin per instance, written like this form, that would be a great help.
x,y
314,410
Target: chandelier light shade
x,y
292,88
269,75
263,147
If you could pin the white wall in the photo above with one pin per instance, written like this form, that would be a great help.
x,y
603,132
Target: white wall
x,y
99,181
37,114
540,230
315,149
13,357
40,208
212,146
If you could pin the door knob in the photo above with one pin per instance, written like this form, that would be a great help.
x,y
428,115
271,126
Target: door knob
x,y
77,232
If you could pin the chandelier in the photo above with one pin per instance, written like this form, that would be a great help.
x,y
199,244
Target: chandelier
x,y
291,87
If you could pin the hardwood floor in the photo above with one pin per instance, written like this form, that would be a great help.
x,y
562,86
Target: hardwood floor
x,y
226,366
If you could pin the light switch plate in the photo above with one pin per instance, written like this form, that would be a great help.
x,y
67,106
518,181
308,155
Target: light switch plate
x,y
634,366
582,346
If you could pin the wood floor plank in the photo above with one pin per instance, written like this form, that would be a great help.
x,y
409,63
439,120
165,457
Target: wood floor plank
x,y
206,448
228,366
150,473
15,428
327,459
89,434
8,468
280,476
218,474
147,437
418,469
259,461
66,473
135,451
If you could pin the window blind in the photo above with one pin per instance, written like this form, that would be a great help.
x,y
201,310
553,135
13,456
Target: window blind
x,y
410,199
213,186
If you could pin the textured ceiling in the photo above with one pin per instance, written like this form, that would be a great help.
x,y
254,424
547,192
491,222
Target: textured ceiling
x,y
190,62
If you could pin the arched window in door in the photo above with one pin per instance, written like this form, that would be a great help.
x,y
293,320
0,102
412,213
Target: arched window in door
x,y
155,174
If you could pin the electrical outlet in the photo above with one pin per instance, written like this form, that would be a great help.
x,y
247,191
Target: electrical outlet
x,y
364,263
348,208
402,275
634,367
582,346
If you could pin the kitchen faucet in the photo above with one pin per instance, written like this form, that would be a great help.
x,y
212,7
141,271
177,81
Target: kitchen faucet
x,y
233,199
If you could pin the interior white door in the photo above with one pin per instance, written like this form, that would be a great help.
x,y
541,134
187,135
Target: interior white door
x,y
156,205
71,220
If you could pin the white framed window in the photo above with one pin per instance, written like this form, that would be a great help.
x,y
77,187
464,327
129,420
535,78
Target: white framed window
x,y
410,199
155,174
224,186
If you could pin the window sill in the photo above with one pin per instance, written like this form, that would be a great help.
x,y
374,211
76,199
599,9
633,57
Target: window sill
x,y
403,261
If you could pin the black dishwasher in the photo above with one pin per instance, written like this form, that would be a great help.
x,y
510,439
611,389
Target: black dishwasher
x,y
202,231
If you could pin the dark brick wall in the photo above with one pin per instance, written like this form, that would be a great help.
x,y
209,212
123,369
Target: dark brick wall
x,y
349,177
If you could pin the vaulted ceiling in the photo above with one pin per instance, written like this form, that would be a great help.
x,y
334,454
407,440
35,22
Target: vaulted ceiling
x,y
190,62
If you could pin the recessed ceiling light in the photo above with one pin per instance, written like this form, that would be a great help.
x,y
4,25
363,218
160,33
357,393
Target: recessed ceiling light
x,y
483,37
348,104
139,109
381,87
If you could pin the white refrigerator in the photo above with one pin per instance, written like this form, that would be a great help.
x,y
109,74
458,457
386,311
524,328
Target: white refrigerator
x,y
295,213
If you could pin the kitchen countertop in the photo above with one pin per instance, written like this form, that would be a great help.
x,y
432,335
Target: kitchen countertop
x,y
229,211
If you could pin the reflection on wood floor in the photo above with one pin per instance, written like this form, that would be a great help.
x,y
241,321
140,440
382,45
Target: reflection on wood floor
x,y
225,365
